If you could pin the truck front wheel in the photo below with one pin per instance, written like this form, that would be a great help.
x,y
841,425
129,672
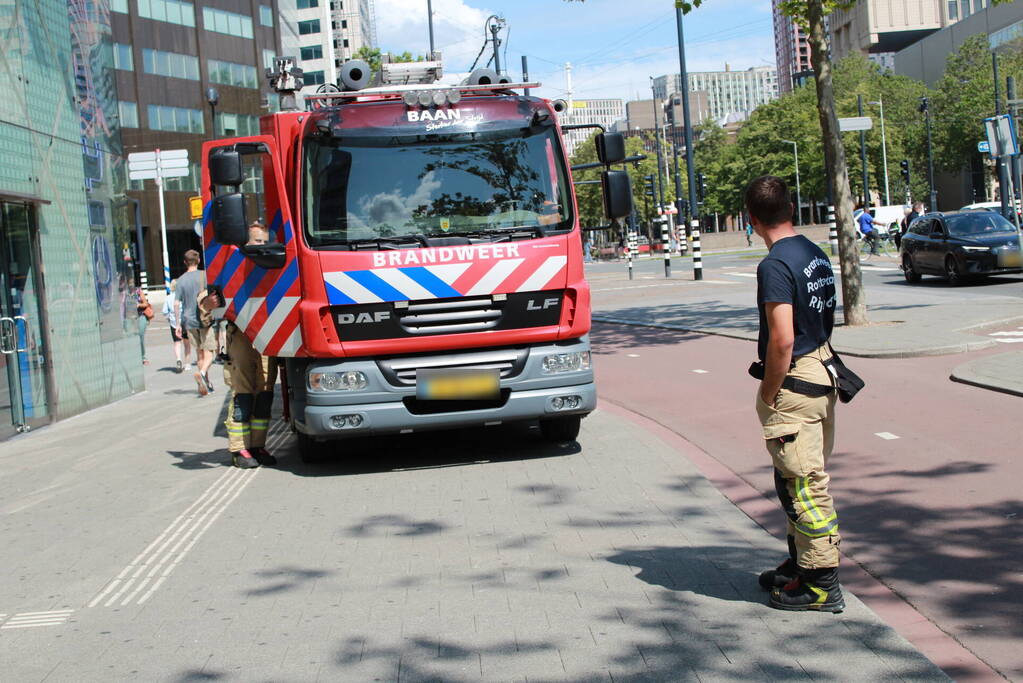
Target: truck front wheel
x,y
561,429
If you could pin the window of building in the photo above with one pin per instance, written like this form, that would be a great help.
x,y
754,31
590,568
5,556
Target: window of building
x,y
128,113
237,125
170,64
308,27
953,9
312,52
119,6
171,11
268,59
345,42
344,23
178,119
313,78
266,15
229,73
123,59
308,4
229,23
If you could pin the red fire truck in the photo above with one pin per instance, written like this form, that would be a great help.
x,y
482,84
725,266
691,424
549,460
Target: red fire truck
x,y
425,269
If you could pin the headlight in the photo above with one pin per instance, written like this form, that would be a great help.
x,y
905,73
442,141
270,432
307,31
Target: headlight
x,y
350,380
976,248
558,363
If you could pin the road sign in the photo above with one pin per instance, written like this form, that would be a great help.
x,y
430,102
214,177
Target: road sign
x,y
156,165
195,207
141,156
166,154
854,123
984,147
1001,136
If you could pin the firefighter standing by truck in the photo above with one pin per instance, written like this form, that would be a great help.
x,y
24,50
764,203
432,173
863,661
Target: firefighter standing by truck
x,y
252,378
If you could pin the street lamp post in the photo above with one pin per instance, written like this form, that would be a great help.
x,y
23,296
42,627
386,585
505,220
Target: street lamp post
x,y
429,20
690,149
926,110
884,153
213,97
799,197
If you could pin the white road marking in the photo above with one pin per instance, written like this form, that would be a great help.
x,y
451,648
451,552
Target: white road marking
x,y
1009,341
879,269
887,436
36,619
701,372
742,274
632,355
1007,334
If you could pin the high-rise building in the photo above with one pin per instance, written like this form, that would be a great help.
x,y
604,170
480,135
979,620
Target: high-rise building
x,y
791,51
69,341
640,113
324,34
880,28
728,92
166,54
602,112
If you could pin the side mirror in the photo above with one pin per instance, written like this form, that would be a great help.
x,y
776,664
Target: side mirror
x,y
226,167
229,225
610,148
617,194
266,255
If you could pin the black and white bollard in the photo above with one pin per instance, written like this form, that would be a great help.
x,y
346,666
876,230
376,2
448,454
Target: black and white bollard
x,y
832,231
666,245
631,246
697,256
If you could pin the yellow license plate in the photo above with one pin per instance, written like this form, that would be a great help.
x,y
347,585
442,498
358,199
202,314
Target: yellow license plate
x,y
1010,259
458,385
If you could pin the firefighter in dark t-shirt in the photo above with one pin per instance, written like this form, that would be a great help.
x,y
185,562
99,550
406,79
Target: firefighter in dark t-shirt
x,y
796,298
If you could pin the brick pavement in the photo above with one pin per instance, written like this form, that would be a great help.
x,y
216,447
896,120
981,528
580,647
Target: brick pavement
x,y
480,555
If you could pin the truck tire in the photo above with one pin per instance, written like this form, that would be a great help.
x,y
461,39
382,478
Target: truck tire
x,y
310,451
561,429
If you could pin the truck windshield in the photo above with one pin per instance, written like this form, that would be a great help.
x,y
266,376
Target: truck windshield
x,y
378,187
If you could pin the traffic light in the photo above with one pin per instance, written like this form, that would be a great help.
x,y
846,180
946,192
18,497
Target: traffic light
x,y
701,187
905,170
669,113
648,185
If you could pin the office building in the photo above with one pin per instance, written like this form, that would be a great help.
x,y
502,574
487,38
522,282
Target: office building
x,y
166,54
640,113
728,92
601,112
880,28
791,51
70,340
324,34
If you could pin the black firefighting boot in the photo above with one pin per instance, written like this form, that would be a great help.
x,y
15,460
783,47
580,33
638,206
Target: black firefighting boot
x,y
813,589
786,571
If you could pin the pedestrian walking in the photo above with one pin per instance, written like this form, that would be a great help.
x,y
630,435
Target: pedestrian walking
x,y
145,314
172,320
190,285
749,235
251,377
796,401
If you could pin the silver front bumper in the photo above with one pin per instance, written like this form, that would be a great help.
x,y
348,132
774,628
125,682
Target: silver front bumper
x,y
386,408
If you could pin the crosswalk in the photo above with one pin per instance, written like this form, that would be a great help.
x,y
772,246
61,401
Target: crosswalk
x,y
1009,337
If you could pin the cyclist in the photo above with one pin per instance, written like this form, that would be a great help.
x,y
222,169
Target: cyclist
x,y
867,223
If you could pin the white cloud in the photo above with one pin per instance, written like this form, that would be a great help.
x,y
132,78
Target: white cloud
x,y
457,27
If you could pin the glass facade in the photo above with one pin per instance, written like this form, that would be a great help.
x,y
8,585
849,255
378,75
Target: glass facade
x,y
171,11
229,23
229,73
60,134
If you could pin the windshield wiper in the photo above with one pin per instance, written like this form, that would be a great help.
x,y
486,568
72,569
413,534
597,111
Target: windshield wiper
x,y
383,243
523,232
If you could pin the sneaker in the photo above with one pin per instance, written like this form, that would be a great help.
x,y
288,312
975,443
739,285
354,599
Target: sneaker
x,y
244,460
209,384
180,368
263,456
203,389
819,591
187,367
780,577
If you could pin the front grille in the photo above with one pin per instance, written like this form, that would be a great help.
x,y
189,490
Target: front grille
x,y
470,314
402,372
419,407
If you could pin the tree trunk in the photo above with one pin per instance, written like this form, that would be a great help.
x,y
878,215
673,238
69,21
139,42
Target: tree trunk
x,y
853,301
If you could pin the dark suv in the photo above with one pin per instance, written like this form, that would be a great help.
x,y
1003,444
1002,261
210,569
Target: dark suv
x,y
960,244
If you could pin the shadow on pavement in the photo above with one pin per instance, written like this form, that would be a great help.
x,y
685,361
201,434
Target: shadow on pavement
x,y
609,338
430,450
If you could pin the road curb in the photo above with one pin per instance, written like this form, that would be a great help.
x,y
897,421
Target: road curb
x,y
985,373
938,646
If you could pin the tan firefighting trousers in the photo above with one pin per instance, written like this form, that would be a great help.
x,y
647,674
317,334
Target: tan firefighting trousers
x,y
799,432
252,378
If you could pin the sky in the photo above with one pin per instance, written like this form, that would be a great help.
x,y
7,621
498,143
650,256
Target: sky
x,y
614,45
